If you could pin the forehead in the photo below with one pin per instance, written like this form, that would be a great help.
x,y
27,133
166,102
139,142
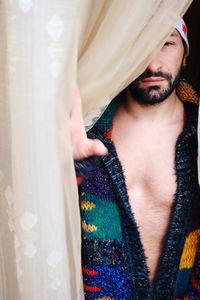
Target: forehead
x,y
176,35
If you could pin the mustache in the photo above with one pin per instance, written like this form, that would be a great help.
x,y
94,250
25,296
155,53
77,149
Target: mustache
x,y
149,73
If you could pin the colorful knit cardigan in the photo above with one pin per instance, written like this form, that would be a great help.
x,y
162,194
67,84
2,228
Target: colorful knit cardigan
x,y
114,263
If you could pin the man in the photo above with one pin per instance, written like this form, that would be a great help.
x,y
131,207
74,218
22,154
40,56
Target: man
x,y
139,191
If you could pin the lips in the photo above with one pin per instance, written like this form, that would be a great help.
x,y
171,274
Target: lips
x,y
151,81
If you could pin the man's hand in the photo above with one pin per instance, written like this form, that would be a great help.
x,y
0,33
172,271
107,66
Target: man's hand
x,y
82,146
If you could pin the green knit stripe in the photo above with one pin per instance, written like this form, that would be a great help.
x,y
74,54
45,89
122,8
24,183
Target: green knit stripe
x,y
95,223
105,121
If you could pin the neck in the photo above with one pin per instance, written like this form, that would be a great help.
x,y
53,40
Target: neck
x,y
171,109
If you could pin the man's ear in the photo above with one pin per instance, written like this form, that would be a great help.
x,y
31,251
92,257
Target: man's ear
x,y
184,62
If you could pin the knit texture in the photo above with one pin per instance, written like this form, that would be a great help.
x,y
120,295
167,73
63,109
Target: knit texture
x,y
114,264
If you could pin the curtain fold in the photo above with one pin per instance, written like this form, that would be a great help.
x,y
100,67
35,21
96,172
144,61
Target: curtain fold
x,y
120,39
46,46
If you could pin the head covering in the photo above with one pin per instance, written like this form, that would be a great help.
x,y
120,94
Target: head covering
x,y
182,29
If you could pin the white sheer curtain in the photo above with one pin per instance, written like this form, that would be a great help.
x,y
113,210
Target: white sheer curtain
x,y
41,43
116,44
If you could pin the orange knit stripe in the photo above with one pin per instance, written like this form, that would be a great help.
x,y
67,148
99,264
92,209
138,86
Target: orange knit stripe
x,y
190,249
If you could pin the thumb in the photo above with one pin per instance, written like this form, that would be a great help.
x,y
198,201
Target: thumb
x,y
96,147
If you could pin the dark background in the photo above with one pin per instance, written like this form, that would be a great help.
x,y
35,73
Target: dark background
x,y
192,19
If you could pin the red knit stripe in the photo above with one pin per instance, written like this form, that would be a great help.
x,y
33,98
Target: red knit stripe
x,y
196,286
90,272
92,288
108,133
79,180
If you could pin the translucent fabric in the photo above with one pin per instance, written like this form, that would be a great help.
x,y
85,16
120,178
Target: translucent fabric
x,y
119,41
45,47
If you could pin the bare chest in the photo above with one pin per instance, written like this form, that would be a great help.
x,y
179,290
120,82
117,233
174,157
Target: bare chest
x,y
149,169
148,161
150,172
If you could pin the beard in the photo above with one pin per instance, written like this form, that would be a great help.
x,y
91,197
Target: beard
x,y
154,94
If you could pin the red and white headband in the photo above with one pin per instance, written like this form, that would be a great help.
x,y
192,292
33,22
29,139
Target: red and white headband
x,y
182,29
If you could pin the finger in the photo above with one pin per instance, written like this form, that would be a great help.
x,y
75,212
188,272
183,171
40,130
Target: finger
x,y
76,123
96,147
76,107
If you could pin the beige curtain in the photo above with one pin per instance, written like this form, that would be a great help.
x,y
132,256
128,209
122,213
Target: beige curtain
x,y
41,43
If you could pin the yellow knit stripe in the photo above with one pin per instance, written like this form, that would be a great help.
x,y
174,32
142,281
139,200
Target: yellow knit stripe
x,y
87,205
190,249
88,227
104,298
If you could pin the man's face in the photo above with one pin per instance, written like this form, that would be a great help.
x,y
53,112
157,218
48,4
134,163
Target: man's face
x,y
162,74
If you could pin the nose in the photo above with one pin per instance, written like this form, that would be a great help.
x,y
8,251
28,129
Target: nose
x,y
155,65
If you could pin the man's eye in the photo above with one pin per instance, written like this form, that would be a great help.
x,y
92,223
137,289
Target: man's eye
x,y
169,44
